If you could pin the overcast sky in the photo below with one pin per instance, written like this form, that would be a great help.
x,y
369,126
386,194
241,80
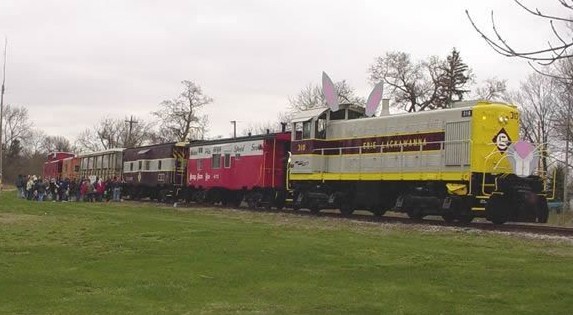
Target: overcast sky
x,y
72,63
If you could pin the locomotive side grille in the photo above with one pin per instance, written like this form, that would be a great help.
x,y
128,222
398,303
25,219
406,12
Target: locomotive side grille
x,y
457,143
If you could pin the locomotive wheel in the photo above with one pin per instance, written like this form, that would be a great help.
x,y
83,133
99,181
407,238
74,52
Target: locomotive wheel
x,y
448,217
415,213
495,210
542,210
465,219
378,212
346,209
314,209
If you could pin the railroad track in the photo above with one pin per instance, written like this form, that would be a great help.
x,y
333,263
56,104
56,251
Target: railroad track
x,y
533,228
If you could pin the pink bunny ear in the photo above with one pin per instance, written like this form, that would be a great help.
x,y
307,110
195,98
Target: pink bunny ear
x,y
329,91
374,99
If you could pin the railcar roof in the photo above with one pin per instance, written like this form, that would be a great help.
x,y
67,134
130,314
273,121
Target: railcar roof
x,y
101,152
233,140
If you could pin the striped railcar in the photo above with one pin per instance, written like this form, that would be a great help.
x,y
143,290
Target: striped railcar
x,y
155,171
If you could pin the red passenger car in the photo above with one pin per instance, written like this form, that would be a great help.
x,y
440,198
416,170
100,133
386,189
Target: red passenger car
x,y
249,168
53,165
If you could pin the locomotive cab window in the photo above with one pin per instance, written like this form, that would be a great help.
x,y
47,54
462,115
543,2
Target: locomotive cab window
x,y
159,164
297,130
306,129
321,127
140,165
147,165
131,166
227,160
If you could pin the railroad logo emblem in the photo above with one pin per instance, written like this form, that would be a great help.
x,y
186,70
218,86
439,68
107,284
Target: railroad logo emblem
x,y
502,140
139,177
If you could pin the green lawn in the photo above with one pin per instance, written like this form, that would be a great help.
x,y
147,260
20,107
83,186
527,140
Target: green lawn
x,y
129,258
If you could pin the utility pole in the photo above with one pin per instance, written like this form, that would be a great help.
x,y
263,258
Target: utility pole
x,y
566,177
2,89
131,121
234,122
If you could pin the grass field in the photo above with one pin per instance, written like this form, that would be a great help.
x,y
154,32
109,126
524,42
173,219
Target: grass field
x,y
81,258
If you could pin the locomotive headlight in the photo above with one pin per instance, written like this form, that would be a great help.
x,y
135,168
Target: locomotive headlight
x,y
506,119
484,117
500,119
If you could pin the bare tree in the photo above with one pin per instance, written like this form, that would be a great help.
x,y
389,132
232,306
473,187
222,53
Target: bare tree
x,y
179,117
114,133
421,85
16,125
56,144
311,97
539,111
261,128
556,50
493,89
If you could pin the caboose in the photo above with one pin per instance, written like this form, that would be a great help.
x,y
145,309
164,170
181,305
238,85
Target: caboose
x,y
449,162
53,166
156,171
251,168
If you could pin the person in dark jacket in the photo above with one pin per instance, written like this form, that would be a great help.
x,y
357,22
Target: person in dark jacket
x,y
63,189
40,189
20,186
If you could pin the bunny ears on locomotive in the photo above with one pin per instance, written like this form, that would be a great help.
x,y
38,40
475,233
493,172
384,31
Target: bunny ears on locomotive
x,y
331,96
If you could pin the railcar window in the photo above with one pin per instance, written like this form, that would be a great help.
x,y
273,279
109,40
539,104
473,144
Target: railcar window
x,y
237,156
159,164
338,115
105,163
118,159
227,160
76,168
140,164
131,166
199,165
306,128
200,150
216,161
147,165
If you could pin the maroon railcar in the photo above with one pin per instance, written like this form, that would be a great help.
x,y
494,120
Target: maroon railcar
x,y
155,171
250,168
53,165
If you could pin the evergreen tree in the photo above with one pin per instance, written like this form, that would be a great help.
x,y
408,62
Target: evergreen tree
x,y
456,74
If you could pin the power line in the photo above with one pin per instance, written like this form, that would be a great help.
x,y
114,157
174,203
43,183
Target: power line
x,y
131,121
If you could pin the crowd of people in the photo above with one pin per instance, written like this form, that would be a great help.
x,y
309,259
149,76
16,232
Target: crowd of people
x,y
57,189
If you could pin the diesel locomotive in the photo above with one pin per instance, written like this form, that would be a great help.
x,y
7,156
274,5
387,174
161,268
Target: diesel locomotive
x,y
453,163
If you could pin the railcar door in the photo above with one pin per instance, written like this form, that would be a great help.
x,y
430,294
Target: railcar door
x,y
180,165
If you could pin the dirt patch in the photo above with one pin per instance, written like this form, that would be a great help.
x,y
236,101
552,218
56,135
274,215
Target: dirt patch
x,y
12,218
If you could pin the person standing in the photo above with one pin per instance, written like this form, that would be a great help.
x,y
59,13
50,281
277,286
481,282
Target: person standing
x,y
40,189
20,186
116,189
